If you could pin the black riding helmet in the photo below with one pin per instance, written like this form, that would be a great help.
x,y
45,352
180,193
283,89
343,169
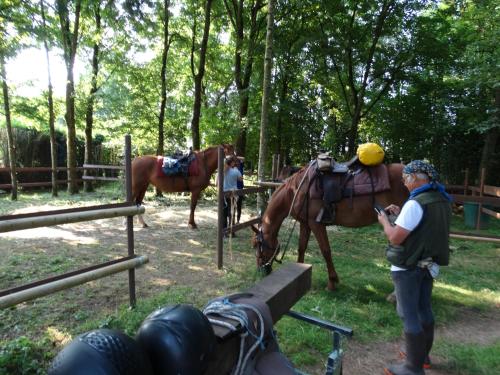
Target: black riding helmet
x,y
101,352
178,339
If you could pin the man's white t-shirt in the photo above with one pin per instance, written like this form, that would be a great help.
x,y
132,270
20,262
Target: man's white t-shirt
x,y
409,218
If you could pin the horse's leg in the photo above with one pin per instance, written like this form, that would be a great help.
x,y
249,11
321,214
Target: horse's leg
x,y
305,233
194,201
138,201
319,231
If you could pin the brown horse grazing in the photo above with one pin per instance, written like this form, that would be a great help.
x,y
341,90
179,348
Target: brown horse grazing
x,y
352,212
145,172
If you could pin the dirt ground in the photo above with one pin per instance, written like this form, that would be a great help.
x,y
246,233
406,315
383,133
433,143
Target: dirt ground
x,y
177,255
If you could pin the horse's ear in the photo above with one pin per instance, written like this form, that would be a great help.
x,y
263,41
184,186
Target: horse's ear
x,y
255,229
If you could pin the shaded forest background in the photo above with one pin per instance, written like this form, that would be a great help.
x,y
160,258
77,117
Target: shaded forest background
x,y
421,78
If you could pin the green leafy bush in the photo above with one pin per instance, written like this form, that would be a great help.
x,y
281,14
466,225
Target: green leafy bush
x,y
23,356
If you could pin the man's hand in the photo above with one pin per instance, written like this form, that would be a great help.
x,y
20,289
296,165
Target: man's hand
x,y
393,209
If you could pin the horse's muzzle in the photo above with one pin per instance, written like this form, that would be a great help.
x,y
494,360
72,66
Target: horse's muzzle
x,y
266,269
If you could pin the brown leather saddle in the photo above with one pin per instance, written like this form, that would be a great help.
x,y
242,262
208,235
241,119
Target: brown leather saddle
x,y
345,181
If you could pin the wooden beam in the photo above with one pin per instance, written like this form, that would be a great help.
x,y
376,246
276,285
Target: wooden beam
x,y
491,213
280,290
268,183
97,166
66,218
237,227
67,210
492,201
474,237
244,191
66,283
98,178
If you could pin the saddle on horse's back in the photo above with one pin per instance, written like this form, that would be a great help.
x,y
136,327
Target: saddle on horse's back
x,y
178,164
344,180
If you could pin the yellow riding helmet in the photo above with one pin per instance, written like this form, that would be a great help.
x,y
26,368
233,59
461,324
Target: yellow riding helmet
x,y
370,154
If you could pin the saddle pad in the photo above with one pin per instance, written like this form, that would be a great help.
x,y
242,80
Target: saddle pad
x,y
193,169
360,184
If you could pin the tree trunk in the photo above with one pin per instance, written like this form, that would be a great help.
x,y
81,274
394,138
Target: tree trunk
x,y
70,42
266,90
198,78
242,75
89,114
50,102
160,150
279,123
488,159
10,137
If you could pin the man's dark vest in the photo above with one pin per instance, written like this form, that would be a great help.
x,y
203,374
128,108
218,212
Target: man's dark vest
x,y
431,237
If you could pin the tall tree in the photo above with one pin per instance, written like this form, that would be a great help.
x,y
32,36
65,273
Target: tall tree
x,y
8,122
366,46
198,76
246,43
89,111
266,92
167,41
50,103
69,40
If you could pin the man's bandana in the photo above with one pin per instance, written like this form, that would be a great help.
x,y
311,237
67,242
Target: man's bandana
x,y
420,166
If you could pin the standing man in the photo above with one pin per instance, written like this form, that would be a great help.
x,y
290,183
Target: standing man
x,y
231,177
418,245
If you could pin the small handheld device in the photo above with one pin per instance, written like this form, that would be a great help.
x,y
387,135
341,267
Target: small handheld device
x,y
378,209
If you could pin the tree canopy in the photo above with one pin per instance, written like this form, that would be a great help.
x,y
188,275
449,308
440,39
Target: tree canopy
x,y
419,77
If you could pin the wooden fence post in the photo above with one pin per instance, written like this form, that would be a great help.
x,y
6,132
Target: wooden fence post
x,y
130,219
480,205
220,206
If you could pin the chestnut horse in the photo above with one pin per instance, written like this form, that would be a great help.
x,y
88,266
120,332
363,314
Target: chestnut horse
x,y
350,212
145,172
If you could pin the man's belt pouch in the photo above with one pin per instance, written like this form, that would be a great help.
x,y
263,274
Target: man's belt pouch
x,y
397,255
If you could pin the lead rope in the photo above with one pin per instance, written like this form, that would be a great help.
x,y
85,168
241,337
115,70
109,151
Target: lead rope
x,y
232,206
290,212
236,312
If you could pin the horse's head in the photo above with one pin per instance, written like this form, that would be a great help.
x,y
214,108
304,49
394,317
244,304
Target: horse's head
x,y
228,149
265,252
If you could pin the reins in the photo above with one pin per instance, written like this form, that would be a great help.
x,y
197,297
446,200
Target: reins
x,y
276,251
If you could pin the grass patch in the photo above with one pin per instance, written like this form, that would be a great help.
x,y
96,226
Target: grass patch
x,y
471,359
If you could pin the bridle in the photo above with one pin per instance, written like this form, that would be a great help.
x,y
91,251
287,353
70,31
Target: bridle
x,y
262,246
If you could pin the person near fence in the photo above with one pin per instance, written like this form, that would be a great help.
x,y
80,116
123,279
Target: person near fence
x,y
231,177
240,185
418,245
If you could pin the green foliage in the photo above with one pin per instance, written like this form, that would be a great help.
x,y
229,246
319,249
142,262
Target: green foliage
x,y
24,356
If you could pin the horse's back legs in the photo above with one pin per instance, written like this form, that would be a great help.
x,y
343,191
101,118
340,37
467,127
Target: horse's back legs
x,y
138,197
319,231
305,233
194,201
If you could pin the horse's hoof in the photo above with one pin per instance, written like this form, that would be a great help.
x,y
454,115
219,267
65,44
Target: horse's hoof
x,y
145,225
331,287
332,283
193,226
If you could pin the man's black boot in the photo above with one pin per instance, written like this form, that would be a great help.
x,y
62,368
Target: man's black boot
x,y
416,351
429,340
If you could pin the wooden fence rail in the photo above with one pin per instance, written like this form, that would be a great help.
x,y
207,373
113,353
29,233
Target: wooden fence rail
x,y
18,294
61,169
